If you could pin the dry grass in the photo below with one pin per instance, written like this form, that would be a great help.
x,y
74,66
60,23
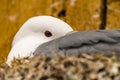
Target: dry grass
x,y
84,67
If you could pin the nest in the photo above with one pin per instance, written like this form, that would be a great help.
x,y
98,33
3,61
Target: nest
x,y
83,67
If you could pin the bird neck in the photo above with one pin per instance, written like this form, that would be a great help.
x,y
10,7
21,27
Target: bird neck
x,y
24,48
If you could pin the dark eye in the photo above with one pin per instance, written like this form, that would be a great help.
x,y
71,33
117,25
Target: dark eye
x,y
48,34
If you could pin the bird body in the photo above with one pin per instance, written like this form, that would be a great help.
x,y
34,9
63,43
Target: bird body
x,y
46,35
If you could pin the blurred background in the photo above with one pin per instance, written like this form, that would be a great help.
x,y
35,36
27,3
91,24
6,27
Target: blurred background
x,y
80,14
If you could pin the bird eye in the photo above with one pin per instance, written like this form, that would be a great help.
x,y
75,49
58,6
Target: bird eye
x,y
48,34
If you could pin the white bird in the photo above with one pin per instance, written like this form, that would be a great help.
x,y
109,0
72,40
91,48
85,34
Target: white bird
x,y
45,34
34,32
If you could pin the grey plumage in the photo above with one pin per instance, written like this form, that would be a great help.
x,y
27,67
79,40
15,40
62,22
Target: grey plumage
x,y
93,41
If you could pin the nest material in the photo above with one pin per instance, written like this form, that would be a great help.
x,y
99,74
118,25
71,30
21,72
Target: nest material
x,y
84,67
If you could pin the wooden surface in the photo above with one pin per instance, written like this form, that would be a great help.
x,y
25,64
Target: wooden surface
x,y
113,16
80,14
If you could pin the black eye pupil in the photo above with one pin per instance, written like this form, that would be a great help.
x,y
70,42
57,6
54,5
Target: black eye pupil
x,y
48,34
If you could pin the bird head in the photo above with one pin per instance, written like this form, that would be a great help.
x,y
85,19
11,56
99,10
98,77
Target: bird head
x,y
34,32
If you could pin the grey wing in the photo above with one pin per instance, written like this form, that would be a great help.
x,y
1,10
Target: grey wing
x,y
95,41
